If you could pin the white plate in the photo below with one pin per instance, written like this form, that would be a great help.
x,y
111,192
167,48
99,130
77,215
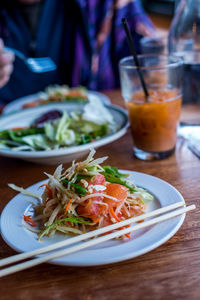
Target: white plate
x,y
17,104
113,251
63,155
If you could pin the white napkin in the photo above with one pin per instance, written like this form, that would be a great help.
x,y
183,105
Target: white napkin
x,y
191,133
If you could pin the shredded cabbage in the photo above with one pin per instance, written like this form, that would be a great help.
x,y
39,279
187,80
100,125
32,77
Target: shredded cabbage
x,y
24,191
77,199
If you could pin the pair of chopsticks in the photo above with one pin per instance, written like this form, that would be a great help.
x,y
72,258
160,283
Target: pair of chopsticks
x,y
44,258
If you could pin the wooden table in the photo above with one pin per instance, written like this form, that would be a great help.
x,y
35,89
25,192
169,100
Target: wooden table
x,y
171,271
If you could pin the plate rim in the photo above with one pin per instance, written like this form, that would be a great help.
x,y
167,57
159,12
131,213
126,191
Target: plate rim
x,y
125,256
23,100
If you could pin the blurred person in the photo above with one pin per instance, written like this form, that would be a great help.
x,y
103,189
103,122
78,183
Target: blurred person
x,y
85,38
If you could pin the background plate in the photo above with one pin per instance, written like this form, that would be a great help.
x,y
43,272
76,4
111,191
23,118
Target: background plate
x,y
65,154
17,104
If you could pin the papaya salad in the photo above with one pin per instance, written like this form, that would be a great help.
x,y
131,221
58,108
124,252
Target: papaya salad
x,y
85,197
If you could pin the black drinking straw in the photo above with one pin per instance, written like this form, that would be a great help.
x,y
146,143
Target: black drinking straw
x,y
132,48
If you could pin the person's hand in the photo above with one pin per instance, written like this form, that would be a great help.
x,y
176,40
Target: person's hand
x,y
6,64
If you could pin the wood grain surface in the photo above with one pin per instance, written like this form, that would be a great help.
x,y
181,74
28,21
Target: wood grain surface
x,y
172,271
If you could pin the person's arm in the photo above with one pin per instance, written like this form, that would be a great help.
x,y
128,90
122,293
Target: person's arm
x,y
6,64
139,23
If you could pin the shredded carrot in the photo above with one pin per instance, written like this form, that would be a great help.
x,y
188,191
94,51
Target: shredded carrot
x,y
49,191
140,221
68,204
18,128
114,215
127,235
29,221
96,220
118,220
70,224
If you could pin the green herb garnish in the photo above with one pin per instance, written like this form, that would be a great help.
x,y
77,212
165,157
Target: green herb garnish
x,y
80,190
114,176
72,219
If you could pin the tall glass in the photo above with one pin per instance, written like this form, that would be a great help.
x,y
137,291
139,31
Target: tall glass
x,y
184,41
153,120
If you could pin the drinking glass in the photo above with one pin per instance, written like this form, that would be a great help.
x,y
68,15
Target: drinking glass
x,y
153,120
184,41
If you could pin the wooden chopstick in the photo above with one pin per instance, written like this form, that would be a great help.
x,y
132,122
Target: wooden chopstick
x,y
22,256
101,239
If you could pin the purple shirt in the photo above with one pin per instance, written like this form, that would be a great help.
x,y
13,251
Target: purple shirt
x,y
85,38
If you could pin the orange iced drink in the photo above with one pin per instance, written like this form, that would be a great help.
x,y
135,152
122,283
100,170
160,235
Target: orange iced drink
x,y
154,122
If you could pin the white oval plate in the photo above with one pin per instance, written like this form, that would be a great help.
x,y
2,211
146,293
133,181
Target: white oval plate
x,y
63,155
17,104
141,242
